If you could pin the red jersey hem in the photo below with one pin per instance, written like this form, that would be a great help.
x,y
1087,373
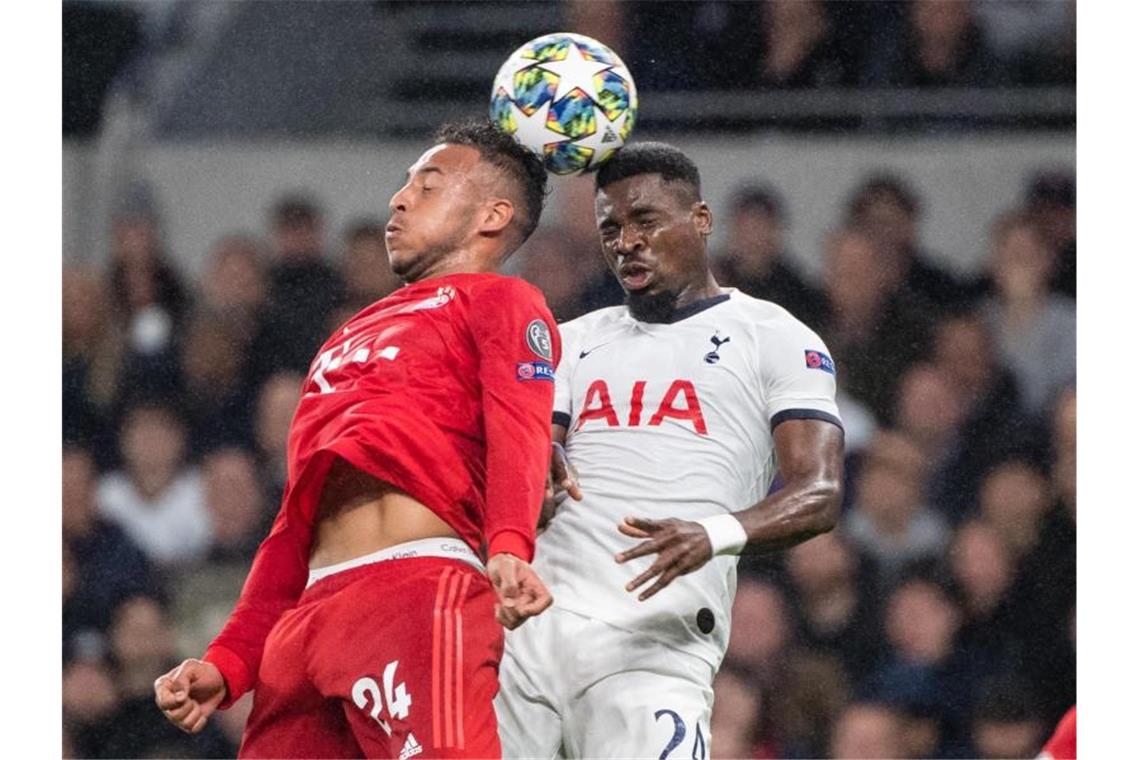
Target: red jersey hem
x,y
234,672
510,541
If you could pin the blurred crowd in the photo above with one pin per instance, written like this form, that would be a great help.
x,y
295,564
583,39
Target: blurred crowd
x,y
717,45
802,44
936,621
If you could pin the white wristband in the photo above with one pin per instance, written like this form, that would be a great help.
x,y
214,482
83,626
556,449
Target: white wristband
x,y
726,534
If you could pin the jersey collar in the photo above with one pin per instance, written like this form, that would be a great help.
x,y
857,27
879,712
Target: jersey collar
x,y
686,311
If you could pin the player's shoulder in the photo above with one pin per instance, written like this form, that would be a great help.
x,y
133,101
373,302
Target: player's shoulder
x,y
765,316
494,285
590,323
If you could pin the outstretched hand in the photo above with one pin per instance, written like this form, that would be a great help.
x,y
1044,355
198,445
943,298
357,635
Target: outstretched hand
x,y
521,593
189,694
561,477
682,547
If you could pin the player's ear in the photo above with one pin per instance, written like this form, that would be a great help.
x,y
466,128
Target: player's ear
x,y
702,218
496,215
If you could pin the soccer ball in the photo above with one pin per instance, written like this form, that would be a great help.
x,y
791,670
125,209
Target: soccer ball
x,y
567,97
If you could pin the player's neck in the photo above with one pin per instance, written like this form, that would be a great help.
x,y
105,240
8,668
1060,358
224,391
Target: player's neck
x,y
664,308
461,261
696,292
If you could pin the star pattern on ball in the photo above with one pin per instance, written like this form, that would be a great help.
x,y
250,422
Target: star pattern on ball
x,y
607,134
575,71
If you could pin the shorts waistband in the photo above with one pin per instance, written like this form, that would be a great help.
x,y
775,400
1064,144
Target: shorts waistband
x,y
446,548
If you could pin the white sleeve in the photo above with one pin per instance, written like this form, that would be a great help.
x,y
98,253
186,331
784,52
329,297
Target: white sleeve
x,y
563,410
797,374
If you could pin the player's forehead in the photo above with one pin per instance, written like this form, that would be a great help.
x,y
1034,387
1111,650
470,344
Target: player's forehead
x,y
446,159
641,193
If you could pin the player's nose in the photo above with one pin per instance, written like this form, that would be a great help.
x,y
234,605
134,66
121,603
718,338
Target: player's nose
x,y
399,201
629,241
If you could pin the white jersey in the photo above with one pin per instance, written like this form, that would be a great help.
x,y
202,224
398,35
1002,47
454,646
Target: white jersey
x,y
673,420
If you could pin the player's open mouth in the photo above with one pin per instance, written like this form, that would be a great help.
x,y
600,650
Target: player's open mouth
x,y
635,276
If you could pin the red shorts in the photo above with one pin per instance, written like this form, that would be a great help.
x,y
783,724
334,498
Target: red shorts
x,y
393,659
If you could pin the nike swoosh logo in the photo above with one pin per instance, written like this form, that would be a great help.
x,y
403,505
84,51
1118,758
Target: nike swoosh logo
x,y
584,354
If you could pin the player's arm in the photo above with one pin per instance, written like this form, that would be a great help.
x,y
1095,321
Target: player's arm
x,y
189,694
562,476
519,347
796,379
810,453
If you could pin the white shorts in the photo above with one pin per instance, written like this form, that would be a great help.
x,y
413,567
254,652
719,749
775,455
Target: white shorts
x,y
573,686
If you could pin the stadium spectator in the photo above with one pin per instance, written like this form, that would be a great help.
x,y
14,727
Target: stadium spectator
x,y
304,290
758,646
890,523
836,615
929,410
142,644
604,20
1052,202
813,692
1035,330
761,622
755,260
155,498
235,501
868,730
548,262
1016,500
1013,499
891,211
573,209
104,565
798,48
239,518
873,329
276,402
214,397
1050,58
735,717
147,294
90,697
992,427
364,266
1007,720
233,283
983,569
924,667
801,690
92,359
943,45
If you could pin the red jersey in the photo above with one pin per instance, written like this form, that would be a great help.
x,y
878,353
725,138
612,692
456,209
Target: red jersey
x,y
443,389
1063,744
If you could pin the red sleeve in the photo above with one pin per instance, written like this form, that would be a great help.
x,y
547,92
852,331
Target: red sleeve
x,y
278,576
518,347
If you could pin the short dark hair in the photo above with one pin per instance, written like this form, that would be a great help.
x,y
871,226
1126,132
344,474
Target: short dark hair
x,y
521,165
650,158
755,196
1052,188
884,184
295,209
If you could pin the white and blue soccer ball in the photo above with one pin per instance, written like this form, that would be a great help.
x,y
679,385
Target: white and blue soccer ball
x,y
567,97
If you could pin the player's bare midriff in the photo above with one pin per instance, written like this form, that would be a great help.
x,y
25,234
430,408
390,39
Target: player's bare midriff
x,y
360,514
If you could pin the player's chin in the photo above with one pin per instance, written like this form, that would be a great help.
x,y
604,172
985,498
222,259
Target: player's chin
x,y
400,259
651,303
